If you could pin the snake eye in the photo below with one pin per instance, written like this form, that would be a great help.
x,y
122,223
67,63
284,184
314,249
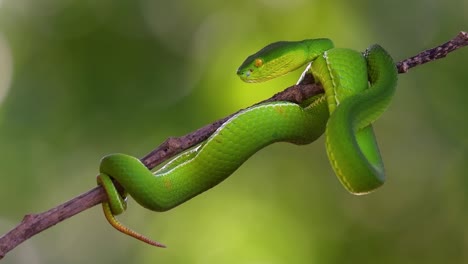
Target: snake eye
x,y
258,62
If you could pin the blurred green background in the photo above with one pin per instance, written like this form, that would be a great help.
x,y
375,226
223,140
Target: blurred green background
x,y
81,79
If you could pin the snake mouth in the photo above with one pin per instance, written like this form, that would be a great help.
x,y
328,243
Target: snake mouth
x,y
245,75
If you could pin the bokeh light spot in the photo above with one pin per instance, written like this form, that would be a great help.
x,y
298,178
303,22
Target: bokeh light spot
x,y
6,67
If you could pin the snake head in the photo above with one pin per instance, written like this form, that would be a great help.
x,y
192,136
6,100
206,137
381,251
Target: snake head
x,y
272,61
279,58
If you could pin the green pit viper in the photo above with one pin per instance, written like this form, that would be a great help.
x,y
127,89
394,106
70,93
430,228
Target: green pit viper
x,y
358,88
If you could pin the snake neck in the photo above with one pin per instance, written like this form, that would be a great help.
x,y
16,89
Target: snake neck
x,y
339,80
316,48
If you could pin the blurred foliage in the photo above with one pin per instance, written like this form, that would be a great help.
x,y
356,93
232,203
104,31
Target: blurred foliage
x,y
80,79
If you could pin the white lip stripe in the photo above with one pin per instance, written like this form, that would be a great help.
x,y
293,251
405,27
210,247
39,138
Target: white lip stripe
x,y
304,73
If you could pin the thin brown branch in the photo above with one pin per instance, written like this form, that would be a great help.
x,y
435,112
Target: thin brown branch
x,y
438,52
35,223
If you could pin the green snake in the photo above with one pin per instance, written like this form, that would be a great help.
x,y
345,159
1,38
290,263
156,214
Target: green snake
x,y
358,88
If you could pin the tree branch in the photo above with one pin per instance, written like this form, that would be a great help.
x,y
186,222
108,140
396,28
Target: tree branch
x,y
36,223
